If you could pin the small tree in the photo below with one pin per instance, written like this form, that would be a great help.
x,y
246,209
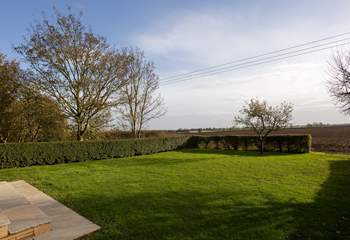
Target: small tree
x,y
77,68
140,99
37,118
25,114
264,119
339,83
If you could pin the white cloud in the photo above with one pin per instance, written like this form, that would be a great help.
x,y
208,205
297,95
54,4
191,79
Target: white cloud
x,y
209,37
191,40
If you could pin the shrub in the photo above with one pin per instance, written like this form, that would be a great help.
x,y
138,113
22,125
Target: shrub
x,y
212,144
222,145
45,153
281,143
202,145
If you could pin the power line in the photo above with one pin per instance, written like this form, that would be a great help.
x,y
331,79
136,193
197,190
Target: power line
x,y
254,64
261,55
253,57
254,61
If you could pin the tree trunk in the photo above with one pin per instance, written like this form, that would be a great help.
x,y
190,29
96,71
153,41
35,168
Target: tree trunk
x,y
134,132
261,147
79,136
140,133
133,129
80,130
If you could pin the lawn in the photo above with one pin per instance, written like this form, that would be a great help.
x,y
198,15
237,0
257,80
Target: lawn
x,y
197,194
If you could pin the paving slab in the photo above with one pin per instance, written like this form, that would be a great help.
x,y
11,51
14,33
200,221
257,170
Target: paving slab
x,y
9,198
7,191
66,224
25,217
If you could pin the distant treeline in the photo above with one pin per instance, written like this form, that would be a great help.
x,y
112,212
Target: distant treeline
x,y
213,129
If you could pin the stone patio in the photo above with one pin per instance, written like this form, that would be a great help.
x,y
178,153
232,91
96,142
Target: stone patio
x,y
27,213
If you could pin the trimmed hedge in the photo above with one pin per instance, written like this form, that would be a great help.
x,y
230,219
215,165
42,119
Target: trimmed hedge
x,y
280,143
46,153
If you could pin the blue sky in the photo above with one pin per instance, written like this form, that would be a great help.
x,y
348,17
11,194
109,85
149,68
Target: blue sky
x,y
181,36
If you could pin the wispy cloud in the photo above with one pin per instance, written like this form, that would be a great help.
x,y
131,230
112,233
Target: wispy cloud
x,y
195,39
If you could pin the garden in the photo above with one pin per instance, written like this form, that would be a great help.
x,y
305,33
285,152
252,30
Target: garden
x,y
192,193
75,151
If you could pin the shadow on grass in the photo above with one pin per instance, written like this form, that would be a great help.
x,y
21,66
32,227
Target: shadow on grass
x,y
328,217
240,153
194,215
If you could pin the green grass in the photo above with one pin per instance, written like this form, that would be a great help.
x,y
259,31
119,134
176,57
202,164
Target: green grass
x,y
197,194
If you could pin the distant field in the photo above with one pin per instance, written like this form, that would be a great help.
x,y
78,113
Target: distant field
x,y
204,195
332,138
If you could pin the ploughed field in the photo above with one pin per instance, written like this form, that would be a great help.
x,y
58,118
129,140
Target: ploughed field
x,y
204,194
328,138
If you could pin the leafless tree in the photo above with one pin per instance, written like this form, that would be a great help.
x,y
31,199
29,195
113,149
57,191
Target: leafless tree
x,y
264,119
141,101
339,83
77,68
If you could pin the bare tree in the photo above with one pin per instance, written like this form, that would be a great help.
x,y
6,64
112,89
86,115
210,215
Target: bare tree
x,y
77,68
141,101
264,119
339,83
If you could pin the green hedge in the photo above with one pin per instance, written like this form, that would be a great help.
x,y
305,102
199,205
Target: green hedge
x,y
280,143
45,153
